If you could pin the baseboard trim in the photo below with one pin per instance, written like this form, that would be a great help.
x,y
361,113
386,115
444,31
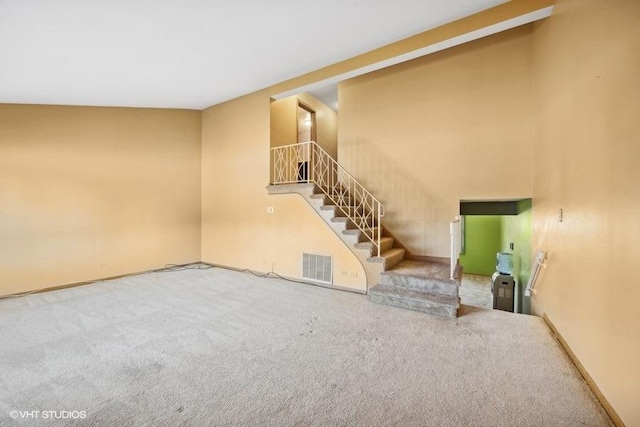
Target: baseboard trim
x,y
104,279
615,418
89,282
273,275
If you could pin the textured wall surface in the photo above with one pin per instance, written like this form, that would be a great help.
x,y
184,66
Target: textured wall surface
x,y
586,80
88,193
454,125
237,231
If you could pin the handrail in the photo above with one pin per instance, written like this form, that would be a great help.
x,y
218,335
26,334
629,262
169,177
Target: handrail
x,y
308,162
540,261
453,231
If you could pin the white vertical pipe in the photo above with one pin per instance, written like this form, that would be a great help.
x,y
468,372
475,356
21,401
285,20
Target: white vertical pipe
x,y
379,227
311,172
452,232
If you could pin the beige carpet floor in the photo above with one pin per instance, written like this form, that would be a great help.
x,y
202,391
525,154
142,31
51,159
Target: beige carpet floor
x,y
475,290
217,347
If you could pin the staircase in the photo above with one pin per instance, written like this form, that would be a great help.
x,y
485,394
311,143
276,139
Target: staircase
x,y
355,216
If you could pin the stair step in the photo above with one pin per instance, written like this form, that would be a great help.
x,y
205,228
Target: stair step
x,y
346,198
343,220
319,199
431,277
302,188
388,258
440,305
359,235
331,207
349,208
373,231
386,244
317,190
339,208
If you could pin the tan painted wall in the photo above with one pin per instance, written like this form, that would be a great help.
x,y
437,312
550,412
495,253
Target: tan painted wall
x,y
587,152
284,130
425,134
237,231
284,126
87,193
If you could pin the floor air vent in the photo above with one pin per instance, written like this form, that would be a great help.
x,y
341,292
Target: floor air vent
x,y
318,268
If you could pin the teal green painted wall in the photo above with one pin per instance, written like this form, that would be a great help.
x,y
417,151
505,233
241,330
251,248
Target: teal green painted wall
x,y
483,239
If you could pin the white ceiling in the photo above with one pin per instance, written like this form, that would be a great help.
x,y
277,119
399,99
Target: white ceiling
x,y
191,53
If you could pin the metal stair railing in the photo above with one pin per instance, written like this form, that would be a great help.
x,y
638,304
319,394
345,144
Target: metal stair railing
x,y
307,162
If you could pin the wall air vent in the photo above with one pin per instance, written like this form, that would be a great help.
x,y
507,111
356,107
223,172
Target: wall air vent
x,y
318,268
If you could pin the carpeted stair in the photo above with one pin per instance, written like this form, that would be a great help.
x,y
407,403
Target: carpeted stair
x,y
332,213
421,286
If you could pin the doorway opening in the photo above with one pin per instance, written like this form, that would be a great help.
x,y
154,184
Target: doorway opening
x,y
295,121
490,228
306,123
